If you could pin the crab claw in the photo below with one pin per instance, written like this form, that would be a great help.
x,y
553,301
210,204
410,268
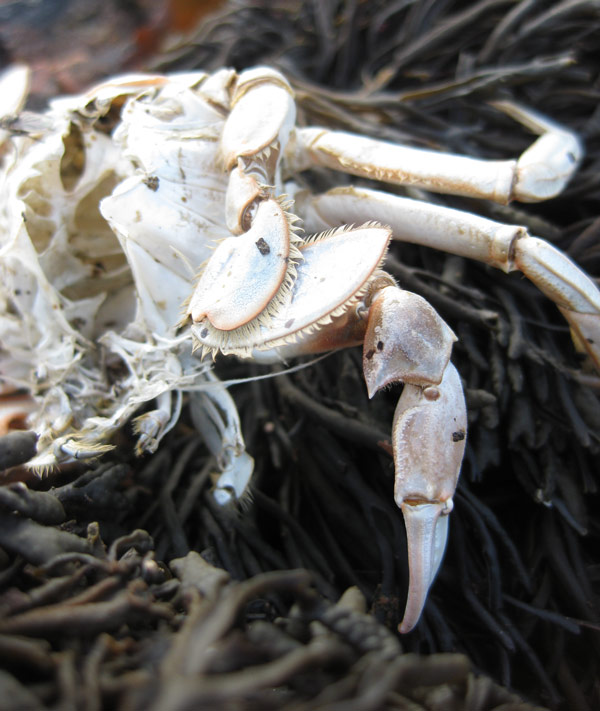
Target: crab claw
x,y
428,436
426,533
407,341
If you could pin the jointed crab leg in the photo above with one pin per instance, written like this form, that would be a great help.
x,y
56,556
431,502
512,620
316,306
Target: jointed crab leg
x,y
541,172
214,414
429,439
407,341
506,247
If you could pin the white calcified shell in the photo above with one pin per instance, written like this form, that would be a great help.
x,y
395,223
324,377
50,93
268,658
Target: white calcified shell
x,y
101,237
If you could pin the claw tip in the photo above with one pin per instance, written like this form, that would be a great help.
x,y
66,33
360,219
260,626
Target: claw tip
x,y
405,627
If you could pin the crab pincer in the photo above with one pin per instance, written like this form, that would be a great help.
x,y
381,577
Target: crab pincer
x,y
407,341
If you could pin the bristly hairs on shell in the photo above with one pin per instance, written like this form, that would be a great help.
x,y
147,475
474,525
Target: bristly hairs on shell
x,y
257,165
379,275
41,469
249,330
317,237
240,341
46,463
245,502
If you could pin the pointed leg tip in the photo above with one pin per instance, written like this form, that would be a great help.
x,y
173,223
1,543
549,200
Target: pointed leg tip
x,y
427,532
415,603
407,626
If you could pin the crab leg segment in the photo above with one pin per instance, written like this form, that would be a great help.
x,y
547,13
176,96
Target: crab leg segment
x,y
262,115
407,341
255,133
575,294
541,172
245,272
428,435
505,247
214,414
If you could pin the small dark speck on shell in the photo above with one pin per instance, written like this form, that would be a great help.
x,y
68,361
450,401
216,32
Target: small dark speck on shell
x,y
369,354
204,333
263,247
152,182
379,345
458,436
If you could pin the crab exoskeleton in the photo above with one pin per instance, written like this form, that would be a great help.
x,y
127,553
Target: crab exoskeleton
x,y
113,200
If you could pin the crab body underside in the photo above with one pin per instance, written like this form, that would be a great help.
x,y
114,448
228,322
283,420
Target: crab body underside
x,y
113,200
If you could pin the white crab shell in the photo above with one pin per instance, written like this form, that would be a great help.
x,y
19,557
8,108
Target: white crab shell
x,y
80,215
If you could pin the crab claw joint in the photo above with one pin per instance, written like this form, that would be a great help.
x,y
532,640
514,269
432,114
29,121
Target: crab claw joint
x,y
429,434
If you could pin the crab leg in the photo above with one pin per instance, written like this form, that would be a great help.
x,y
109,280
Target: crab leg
x,y
506,247
541,172
214,414
407,341
258,127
